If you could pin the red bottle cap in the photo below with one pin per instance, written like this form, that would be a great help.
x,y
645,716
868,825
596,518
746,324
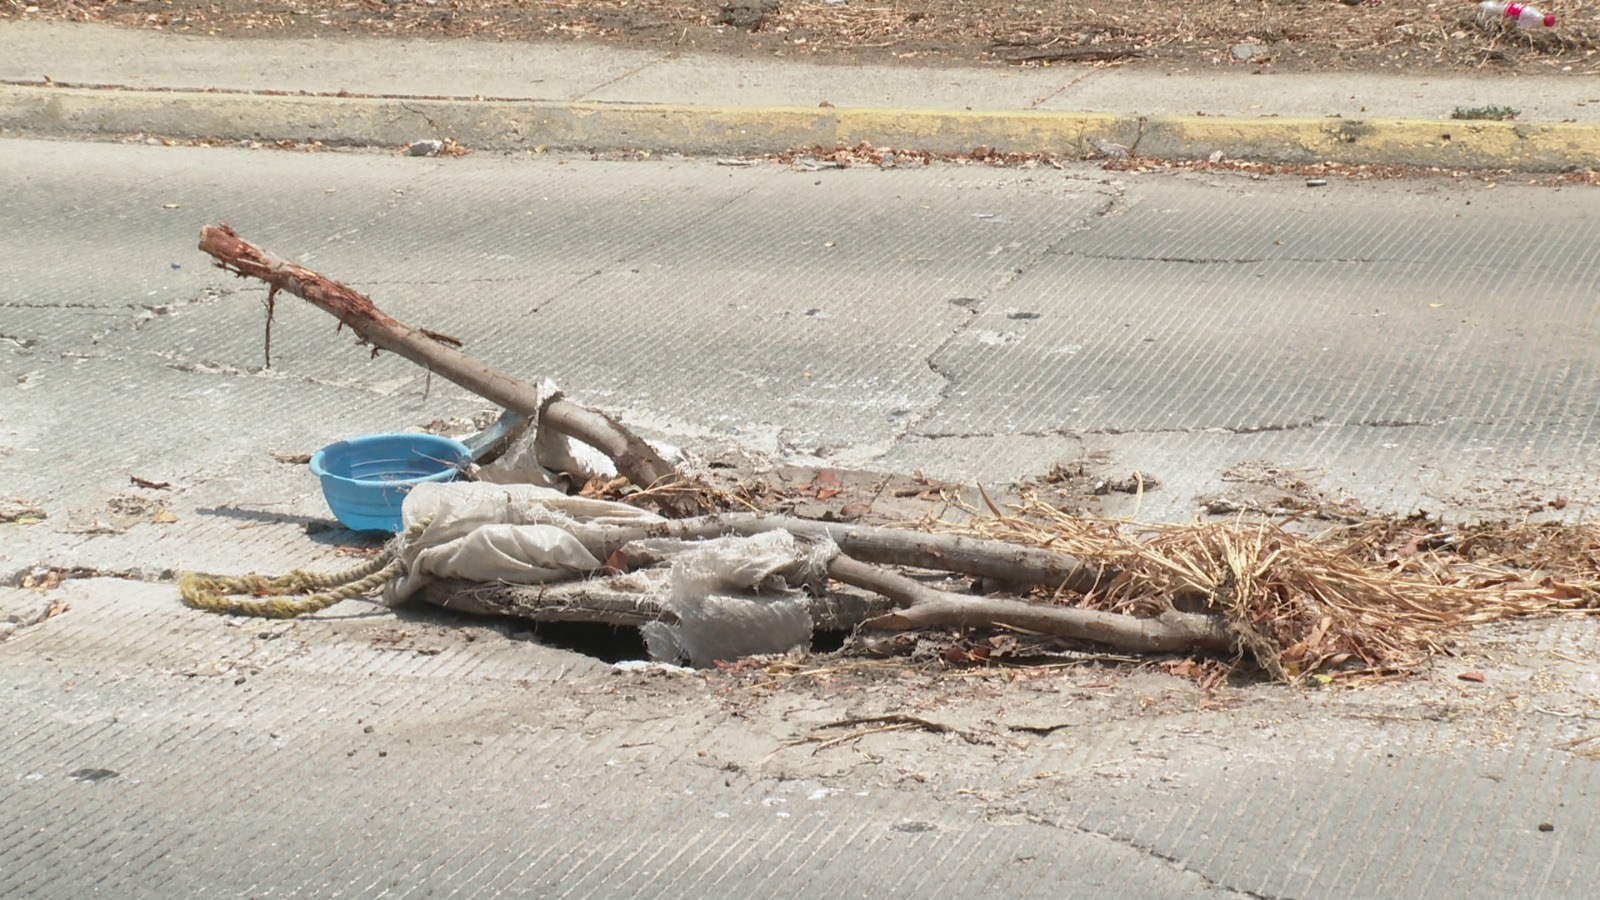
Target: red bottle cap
x,y
1549,21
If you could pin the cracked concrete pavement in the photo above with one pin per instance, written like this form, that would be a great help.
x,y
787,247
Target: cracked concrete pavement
x,y
1426,342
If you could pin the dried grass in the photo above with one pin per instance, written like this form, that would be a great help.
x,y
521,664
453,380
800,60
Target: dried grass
x,y
1377,596
1405,35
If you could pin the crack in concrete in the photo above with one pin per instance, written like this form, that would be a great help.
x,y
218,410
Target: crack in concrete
x,y
1112,195
582,280
628,258
206,367
1315,422
1146,850
1229,260
624,76
109,308
447,282
1069,85
421,115
956,435
16,577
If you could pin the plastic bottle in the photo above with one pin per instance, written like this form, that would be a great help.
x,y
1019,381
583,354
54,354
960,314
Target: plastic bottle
x,y
1527,17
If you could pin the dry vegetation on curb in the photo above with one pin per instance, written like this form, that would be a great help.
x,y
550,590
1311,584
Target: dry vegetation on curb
x,y
1266,35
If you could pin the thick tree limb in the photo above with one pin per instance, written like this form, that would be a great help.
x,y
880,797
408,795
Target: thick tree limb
x,y
599,600
888,546
927,607
634,458
565,601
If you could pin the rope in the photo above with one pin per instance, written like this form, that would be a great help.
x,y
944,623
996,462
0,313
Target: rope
x,y
274,597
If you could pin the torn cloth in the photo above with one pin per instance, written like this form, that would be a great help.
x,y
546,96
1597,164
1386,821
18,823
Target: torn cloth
x,y
723,598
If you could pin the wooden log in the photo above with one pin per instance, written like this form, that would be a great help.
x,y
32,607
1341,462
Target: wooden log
x,y
590,600
888,546
602,601
634,458
928,607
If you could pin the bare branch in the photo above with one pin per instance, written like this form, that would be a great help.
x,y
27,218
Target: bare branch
x,y
435,352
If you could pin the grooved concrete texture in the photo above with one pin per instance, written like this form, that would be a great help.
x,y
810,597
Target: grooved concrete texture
x,y
1410,342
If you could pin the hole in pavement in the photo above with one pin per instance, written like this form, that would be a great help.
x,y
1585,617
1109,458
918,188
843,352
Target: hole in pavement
x,y
607,643
612,644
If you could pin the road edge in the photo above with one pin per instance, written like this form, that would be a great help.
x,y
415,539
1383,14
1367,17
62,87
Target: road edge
x,y
518,125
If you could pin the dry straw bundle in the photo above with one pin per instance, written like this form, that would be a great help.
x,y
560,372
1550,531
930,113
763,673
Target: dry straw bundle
x,y
1377,596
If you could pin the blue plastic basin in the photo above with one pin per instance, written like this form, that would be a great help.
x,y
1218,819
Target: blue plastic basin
x,y
365,479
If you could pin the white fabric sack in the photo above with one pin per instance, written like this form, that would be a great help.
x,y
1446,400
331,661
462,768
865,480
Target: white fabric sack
x,y
729,595
731,602
542,455
518,533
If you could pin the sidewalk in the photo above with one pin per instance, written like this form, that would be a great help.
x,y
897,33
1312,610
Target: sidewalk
x,y
96,79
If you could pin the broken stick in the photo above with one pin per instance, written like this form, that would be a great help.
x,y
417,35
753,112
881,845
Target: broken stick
x,y
1013,563
928,607
634,458
922,606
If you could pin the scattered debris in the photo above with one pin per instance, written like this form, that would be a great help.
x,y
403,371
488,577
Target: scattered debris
x,y
1135,483
48,580
1372,595
21,512
1109,149
1246,52
749,15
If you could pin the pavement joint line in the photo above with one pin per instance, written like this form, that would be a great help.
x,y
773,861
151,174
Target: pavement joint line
x,y
345,119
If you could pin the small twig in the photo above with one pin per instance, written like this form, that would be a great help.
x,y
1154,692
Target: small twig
x,y
893,718
853,736
1079,54
272,302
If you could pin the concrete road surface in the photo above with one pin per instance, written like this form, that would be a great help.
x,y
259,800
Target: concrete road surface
x,y
1404,343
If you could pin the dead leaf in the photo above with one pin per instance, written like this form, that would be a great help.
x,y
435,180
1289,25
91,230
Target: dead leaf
x,y
1185,668
1561,589
51,579
1476,677
164,516
293,459
960,655
147,483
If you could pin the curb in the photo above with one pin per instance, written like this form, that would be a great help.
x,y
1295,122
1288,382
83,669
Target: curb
x,y
509,125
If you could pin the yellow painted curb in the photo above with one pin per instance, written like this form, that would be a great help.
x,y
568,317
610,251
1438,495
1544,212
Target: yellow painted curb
x,y
725,130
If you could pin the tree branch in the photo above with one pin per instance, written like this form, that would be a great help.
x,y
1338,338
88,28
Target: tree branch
x,y
927,607
888,546
634,458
